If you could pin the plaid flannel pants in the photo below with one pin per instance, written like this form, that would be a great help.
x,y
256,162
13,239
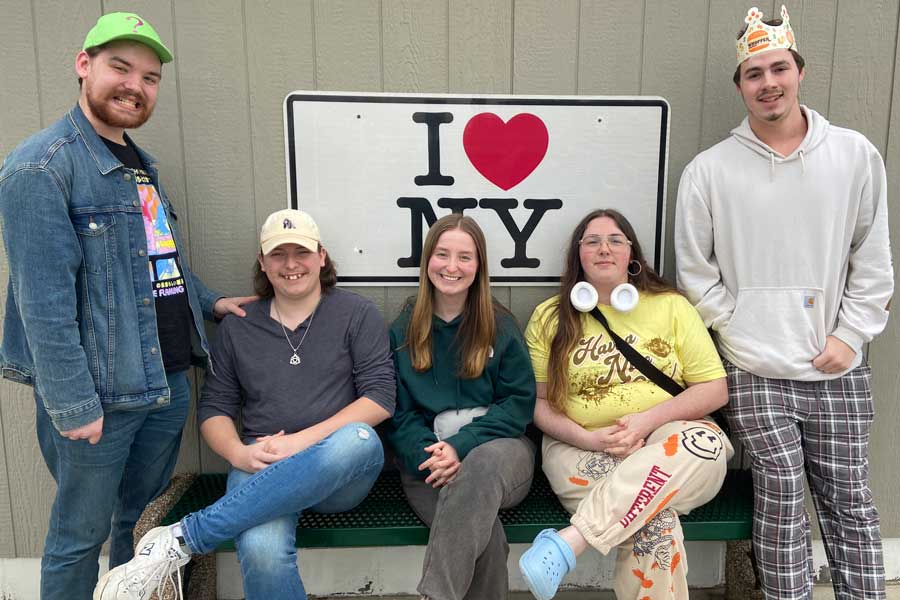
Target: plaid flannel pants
x,y
819,429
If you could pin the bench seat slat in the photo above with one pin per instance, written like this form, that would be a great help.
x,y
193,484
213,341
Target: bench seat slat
x,y
385,519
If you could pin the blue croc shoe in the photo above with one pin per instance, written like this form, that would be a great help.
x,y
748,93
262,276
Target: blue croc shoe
x,y
545,564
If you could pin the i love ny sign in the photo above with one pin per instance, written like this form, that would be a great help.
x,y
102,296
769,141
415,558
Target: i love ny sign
x,y
376,170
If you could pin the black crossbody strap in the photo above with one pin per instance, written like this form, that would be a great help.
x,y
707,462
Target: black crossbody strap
x,y
637,360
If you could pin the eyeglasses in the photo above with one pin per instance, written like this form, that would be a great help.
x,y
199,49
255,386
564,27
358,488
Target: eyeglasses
x,y
615,241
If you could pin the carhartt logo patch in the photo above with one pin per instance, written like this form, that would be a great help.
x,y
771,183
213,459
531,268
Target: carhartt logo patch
x,y
809,301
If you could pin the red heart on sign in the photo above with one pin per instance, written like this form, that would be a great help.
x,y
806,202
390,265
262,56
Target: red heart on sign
x,y
505,153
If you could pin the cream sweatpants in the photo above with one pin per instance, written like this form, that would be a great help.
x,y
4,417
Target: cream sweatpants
x,y
634,503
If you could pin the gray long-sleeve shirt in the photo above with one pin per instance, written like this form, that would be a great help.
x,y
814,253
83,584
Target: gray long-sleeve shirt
x,y
345,355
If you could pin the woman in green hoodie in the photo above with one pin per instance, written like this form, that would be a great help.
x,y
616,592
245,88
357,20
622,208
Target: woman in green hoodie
x,y
465,393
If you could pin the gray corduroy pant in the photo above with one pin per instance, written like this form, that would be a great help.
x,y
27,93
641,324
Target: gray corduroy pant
x,y
467,549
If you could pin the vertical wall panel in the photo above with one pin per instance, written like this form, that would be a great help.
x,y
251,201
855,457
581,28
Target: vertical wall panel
x,y
189,453
545,47
861,85
8,393
60,31
481,46
395,300
20,113
610,40
211,67
30,484
814,22
376,294
416,46
348,45
210,462
19,117
218,153
281,59
883,351
524,299
722,106
502,295
677,74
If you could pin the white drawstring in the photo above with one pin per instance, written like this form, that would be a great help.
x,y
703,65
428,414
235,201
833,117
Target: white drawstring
x,y
771,166
802,162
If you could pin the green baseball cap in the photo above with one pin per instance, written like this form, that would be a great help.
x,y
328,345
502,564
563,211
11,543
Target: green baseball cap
x,y
126,26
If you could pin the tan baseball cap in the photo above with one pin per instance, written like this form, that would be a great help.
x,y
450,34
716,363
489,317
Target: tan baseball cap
x,y
289,226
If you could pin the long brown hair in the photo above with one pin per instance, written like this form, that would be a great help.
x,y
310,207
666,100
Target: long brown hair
x,y
262,287
568,329
478,328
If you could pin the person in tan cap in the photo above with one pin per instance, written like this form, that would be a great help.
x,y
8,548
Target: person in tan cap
x,y
308,371
106,328
781,242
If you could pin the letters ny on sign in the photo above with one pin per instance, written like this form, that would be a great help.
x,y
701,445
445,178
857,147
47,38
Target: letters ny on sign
x,y
376,171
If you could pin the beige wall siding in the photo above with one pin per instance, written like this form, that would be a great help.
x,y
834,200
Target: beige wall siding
x,y
885,350
218,134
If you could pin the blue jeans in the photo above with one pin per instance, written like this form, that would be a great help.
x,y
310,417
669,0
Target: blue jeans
x,y
260,510
105,487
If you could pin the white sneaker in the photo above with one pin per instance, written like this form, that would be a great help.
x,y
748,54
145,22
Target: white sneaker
x,y
155,566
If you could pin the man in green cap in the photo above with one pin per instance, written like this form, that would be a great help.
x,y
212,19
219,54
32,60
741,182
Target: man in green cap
x,y
103,316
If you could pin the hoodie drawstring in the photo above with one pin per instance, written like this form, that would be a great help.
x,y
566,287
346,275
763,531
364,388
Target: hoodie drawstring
x,y
801,153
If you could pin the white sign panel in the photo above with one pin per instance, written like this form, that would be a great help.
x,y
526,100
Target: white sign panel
x,y
376,170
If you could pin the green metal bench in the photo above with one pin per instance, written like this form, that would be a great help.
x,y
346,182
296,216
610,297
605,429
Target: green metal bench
x,y
385,519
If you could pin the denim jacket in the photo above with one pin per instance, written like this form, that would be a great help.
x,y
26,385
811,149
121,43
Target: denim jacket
x,y
80,322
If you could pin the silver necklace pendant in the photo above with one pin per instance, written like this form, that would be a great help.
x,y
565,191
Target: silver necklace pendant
x,y
295,358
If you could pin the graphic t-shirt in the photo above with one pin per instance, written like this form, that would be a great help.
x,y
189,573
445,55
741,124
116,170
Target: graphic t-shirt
x,y
603,385
173,313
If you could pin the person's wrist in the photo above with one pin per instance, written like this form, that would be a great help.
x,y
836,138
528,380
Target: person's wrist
x,y
586,440
655,419
234,453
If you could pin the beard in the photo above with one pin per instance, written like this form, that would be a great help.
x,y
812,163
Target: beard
x,y
101,107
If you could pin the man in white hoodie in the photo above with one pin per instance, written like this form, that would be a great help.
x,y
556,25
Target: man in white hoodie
x,y
781,242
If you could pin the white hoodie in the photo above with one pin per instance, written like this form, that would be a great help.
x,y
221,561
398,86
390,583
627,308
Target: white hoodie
x,y
779,252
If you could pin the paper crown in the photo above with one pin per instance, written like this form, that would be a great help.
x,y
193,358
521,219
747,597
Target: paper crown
x,y
759,37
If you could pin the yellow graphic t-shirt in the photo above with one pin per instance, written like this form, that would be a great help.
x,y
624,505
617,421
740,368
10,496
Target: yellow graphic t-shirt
x,y
603,385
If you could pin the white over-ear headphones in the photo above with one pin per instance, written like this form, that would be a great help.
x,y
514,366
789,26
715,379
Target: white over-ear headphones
x,y
584,297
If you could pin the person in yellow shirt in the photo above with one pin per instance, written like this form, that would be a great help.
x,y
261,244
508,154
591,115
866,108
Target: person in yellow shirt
x,y
624,456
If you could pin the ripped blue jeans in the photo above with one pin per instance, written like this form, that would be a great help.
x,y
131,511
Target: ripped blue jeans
x,y
260,510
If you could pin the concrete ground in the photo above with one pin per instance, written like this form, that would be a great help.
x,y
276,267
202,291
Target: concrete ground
x,y
821,593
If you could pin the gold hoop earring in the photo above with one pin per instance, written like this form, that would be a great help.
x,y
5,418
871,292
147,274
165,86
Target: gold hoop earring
x,y
639,268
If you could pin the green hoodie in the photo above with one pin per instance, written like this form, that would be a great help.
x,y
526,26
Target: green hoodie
x,y
506,386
